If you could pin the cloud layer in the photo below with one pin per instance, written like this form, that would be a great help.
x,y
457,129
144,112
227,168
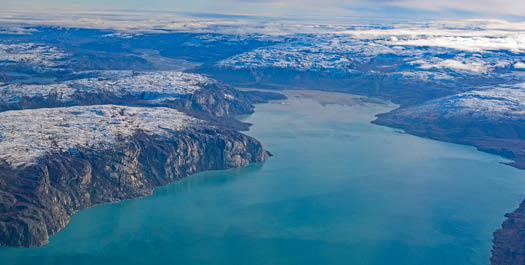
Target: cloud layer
x,y
333,9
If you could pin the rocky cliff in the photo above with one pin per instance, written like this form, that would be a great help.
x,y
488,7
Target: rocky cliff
x,y
38,200
509,241
220,104
72,145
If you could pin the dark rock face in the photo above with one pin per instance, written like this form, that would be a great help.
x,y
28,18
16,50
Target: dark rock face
x,y
38,200
509,241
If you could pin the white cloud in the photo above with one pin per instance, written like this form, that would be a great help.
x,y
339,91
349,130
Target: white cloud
x,y
295,8
513,42
519,65
511,7
474,66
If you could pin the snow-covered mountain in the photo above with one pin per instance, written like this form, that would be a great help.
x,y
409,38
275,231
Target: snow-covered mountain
x,y
119,83
507,102
391,52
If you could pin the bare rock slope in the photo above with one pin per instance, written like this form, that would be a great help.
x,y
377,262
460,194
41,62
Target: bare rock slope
x,y
509,241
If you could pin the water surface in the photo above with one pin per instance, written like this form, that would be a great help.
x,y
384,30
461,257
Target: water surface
x,y
339,190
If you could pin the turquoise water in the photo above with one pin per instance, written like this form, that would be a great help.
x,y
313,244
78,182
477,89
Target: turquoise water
x,y
339,190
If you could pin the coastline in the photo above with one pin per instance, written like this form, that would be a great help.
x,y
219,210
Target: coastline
x,y
324,97
297,131
507,243
339,98
63,183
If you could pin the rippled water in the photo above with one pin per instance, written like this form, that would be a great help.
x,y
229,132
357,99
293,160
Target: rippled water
x,y
339,190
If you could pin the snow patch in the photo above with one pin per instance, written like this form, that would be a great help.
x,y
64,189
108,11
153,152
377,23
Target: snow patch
x,y
27,135
39,55
501,103
120,83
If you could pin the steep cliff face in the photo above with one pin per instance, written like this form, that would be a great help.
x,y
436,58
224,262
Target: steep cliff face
x,y
38,200
509,241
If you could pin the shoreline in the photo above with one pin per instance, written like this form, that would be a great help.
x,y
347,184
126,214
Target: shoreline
x,y
309,105
327,98
507,239
324,97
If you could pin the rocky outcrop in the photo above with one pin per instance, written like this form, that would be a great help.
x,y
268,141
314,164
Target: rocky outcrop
x,y
220,104
509,241
38,200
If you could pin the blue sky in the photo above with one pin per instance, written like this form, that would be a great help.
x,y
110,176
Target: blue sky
x,y
299,8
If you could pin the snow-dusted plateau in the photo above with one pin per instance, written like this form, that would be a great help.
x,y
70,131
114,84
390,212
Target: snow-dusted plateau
x,y
28,135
